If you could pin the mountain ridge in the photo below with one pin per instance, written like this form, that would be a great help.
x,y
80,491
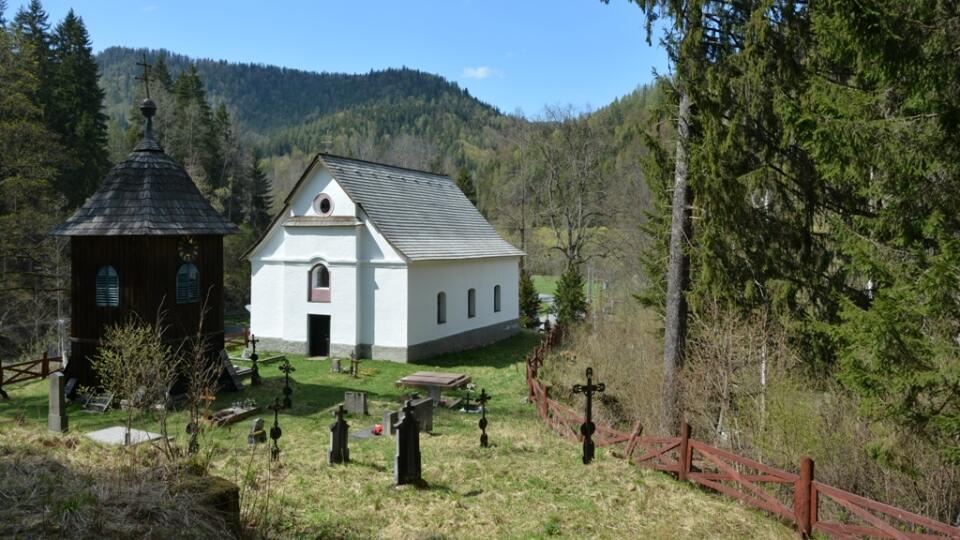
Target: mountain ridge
x,y
266,98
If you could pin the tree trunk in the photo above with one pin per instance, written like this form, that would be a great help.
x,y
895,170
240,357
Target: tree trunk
x,y
678,274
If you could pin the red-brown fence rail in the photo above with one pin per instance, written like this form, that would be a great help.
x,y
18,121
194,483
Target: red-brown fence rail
x,y
28,371
793,497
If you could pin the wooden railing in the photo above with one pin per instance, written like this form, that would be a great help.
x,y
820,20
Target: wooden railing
x,y
28,371
795,498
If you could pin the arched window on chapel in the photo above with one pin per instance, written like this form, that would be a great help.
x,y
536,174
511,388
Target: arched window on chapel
x,y
319,284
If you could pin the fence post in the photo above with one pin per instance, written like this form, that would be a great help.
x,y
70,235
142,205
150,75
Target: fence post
x,y
246,337
684,452
804,499
45,366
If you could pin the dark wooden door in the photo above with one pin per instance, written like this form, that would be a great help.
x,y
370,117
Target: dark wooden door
x,y
319,335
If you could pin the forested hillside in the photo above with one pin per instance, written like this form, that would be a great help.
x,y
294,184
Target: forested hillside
x,y
268,98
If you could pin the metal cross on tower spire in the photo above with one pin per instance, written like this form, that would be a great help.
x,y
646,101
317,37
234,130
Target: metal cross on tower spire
x,y
146,73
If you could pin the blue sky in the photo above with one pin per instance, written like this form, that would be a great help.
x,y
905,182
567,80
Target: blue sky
x,y
514,54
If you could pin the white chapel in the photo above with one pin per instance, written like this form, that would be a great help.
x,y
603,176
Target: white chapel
x,y
385,262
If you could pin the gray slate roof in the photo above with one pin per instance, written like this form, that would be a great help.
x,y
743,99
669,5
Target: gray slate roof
x,y
423,215
148,193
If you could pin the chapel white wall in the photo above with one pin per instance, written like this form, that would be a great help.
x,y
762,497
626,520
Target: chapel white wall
x,y
455,278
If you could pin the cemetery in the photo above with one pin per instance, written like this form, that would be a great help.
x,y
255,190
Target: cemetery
x,y
507,477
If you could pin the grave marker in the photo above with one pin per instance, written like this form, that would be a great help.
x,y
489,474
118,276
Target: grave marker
x,y
287,369
354,365
57,418
423,409
275,431
588,427
254,367
338,439
390,419
257,434
406,463
482,400
70,388
356,402
335,365
231,371
99,403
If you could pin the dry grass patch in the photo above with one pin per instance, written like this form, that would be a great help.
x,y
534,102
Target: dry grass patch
x,y
68,487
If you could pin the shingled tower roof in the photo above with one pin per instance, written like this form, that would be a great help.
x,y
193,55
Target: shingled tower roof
x,y
148,193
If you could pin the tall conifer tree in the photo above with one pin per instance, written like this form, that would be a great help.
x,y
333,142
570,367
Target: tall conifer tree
x,y
75,111
32,36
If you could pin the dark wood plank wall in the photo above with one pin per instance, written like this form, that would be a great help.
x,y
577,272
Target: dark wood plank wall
x,y
147,267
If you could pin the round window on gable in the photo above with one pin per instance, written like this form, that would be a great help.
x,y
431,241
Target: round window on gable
x,y
323,204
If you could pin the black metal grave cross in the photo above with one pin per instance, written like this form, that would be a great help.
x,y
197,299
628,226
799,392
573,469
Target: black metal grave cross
x,y
254,368
588,427
275,431
146,74
287,369
482,400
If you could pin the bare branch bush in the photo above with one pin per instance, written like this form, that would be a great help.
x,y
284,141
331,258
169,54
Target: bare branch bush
x,y
200,375
137,367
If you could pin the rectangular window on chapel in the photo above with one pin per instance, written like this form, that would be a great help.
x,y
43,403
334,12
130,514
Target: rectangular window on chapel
x,y
472,303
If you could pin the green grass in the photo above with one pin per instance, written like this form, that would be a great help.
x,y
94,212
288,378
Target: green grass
x,y
530,484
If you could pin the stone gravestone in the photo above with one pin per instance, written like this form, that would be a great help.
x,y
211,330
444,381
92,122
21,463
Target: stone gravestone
x,y
406,463
57,419
230,372
70,388
356,402
257,433
423,409
338,439
335,365
390,419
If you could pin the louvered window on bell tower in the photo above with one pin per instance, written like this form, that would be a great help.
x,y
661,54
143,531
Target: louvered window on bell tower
x,y
108,287
188,284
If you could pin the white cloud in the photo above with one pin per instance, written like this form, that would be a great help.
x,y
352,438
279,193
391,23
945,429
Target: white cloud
x,y
482,72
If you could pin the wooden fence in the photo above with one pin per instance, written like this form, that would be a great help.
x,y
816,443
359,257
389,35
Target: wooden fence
x,y
28,371
794,497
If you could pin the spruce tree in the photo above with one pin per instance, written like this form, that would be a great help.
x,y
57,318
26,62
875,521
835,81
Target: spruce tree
x,y
529,301
260,198
570,300
32,36
75,112
466,184
161,73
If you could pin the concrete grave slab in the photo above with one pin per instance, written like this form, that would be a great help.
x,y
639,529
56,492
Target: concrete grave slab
x,y
115,436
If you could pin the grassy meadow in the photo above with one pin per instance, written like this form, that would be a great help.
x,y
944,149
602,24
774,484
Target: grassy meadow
x,y
529,484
